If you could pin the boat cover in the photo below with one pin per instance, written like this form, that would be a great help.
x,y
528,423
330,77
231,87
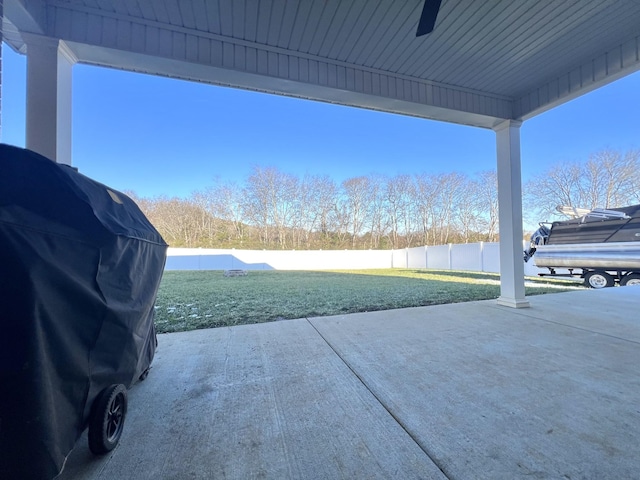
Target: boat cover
x,y
81,266
596,229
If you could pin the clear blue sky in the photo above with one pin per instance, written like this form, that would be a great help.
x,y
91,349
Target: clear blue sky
x,y
159,136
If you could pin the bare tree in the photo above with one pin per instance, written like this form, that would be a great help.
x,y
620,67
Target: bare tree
x,y
225,201
316,200
487,191
399,195
607,179
449,190
427,192
256,201
178,220
467,211
378,222
269,203
356,205
208,224
286,203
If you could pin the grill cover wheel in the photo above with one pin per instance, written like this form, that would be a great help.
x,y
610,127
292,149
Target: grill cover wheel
x,y
107,419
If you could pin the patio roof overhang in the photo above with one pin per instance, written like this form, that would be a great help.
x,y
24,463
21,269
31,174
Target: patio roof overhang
x,y
487,64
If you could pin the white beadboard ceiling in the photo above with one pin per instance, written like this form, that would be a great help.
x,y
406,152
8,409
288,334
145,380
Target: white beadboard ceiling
x,y
486,60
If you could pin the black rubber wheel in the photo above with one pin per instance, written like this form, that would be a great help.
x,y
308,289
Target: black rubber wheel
x,y
631,279
598,279
107,419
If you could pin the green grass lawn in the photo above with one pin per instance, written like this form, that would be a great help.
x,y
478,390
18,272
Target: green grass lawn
x,y
189,300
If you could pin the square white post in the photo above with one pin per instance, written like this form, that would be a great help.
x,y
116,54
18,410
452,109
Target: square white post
x,y
510,215
49,63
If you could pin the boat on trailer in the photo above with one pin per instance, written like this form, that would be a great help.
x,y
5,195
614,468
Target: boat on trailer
x,y
602,246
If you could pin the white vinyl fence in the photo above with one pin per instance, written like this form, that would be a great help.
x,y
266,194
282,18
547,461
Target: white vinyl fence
x,y
478,257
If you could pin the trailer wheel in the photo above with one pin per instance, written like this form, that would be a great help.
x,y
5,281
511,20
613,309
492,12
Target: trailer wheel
x,y
107,419
598,279
630,279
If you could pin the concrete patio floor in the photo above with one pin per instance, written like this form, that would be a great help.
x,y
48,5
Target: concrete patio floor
x,y
463,391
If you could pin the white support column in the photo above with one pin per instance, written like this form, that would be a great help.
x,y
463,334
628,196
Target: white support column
x,y
510,215
49,63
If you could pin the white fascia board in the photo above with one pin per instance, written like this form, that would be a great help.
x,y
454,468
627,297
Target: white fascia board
x,y
232,77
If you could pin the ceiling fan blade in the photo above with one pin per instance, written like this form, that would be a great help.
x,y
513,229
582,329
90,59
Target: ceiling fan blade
x,y
428,17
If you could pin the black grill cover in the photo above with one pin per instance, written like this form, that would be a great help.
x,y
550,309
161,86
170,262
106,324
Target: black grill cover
x,y
80,267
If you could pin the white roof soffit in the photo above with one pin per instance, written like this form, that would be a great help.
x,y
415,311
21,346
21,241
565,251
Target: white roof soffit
x,y
485,61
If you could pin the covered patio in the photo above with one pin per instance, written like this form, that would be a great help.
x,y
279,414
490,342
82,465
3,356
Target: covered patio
x,y
470,390
490,64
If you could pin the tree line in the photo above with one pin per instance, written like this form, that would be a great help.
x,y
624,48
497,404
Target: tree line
x,y
272,209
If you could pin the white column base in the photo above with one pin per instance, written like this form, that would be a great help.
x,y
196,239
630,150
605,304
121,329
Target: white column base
x,y
513,302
